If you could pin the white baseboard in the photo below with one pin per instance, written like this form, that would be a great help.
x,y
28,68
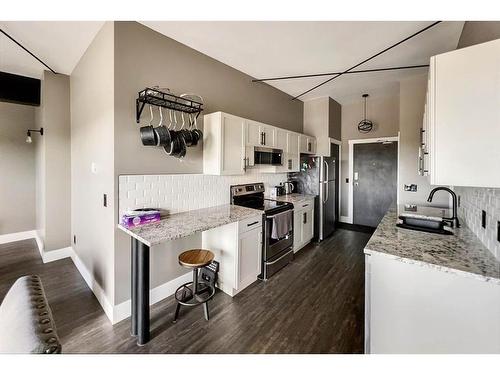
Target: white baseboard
x,y
51,256
18,236
345,219
124,309
93,285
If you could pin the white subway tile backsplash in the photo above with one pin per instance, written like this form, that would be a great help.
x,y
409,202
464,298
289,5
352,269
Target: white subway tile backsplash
x,y
472,202
184,192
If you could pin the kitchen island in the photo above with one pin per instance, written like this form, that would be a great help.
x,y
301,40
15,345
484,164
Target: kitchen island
x,y
172,227
430,293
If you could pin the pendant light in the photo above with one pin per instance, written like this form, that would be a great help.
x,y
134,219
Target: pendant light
x,y
365,126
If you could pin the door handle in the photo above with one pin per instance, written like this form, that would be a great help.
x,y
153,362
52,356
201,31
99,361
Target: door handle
x,y
304,221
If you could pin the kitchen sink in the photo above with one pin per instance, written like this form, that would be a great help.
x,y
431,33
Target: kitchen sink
x,y
425,225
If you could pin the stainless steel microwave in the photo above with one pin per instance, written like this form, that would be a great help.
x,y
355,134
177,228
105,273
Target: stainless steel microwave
x,y
268,156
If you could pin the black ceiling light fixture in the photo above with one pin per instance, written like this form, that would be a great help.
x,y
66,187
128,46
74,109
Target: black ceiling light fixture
x,y
365,126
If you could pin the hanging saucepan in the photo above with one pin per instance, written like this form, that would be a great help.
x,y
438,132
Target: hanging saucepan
x,y
194,101
186,133
177,146
195,135
148,135
162,133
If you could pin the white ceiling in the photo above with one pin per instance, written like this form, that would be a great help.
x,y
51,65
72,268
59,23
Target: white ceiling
x,y
268,49
260,49
59,44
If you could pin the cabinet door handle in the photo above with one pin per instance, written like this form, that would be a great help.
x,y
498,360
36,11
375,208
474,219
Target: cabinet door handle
x,y
305,205
255,222
245,164
304,221
289,163
262,138
264,134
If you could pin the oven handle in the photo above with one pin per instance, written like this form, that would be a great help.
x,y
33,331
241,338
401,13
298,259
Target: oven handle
x,y
273,216
277,260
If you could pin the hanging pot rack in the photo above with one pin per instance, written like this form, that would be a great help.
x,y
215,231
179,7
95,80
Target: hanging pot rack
x,y
158,98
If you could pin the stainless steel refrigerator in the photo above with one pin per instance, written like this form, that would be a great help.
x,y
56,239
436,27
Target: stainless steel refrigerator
x,y
319,176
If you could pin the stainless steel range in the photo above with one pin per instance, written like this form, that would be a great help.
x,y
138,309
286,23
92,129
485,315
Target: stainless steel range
x,y
277,242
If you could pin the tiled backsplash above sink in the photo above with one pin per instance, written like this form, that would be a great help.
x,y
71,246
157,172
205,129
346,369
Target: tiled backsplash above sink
x,y
184,192
472,202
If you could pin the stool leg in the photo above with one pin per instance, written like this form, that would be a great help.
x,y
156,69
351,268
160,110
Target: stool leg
x,y
177,309
205,309
195,281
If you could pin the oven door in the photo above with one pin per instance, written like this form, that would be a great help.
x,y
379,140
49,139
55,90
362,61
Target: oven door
x,y
275,247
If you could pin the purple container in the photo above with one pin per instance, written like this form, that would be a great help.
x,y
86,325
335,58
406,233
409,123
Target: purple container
x,y
130,221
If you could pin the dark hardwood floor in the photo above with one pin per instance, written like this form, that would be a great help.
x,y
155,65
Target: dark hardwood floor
x,y
314,305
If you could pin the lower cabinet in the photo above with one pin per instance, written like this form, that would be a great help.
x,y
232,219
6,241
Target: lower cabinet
x,y
303,224
238,249
249,257
417,309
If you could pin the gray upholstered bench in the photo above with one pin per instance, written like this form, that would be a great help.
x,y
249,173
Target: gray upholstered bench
x,y
26,323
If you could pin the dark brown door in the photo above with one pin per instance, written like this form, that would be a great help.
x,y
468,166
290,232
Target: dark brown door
x,y
374,181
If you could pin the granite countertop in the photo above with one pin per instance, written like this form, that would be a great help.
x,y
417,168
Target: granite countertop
x,y
294,198
461,253
186,223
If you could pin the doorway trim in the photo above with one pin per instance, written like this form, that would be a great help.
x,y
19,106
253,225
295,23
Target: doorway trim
x,y
339,143
352,142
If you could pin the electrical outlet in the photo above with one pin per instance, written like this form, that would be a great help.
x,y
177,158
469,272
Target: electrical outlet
x,y
483,218
105,200
74,239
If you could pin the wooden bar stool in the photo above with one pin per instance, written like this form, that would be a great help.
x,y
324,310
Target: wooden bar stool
x,y
194,293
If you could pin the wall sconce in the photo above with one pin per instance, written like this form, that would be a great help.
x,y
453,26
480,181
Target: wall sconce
x,y
28,135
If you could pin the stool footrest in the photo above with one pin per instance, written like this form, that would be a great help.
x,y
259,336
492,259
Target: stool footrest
x,y
184,294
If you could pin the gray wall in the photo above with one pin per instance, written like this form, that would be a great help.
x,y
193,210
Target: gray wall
x,y
335,119
57,140
475,32
411,111
143,58
384,112
17,169
92,133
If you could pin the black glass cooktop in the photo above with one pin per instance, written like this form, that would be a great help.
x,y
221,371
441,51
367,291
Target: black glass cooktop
x,y
267,205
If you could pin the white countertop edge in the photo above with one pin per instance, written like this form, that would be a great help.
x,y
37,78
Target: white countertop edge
x,y
472,275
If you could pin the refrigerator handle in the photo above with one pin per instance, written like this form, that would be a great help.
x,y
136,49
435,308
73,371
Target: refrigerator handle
x,y
325,181
327,171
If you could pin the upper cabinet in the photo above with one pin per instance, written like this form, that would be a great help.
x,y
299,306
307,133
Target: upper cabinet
x,y
224,144
229,144
461,125
307,144
258,134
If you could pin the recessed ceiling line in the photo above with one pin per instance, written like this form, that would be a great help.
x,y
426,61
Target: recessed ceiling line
x,y
368,59
27,50
333,73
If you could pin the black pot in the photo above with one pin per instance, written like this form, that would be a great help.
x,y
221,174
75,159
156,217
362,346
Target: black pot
x,y
162,136
148,136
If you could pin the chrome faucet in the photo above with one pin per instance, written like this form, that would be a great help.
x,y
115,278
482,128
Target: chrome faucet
x,y
454,219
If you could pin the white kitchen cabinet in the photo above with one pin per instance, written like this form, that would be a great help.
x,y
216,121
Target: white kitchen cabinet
x,y
238,248
249,257
281,140
224,144
303,224
463,117
416,309
293,143
258,134
307,144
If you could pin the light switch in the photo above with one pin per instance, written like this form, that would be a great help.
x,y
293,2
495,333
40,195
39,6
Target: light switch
x,y
93,168
355,175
